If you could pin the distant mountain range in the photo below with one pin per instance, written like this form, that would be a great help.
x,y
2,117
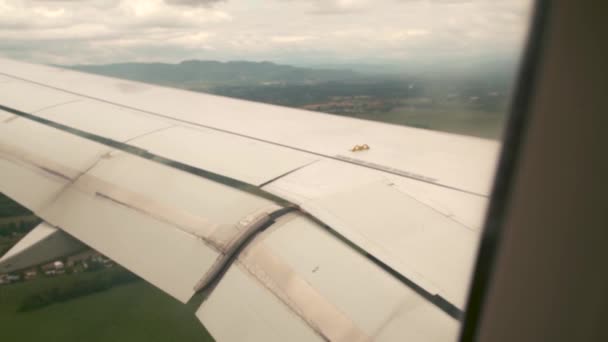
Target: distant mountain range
x,y
214,72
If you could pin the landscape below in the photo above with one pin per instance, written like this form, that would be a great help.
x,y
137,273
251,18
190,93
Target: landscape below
x,y
469,101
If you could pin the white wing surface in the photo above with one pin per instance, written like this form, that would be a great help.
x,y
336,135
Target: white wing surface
x,y
293,235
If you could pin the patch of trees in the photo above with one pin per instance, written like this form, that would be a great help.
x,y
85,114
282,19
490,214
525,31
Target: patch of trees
x,y
294,95
214,72
22,227
79,288
9,208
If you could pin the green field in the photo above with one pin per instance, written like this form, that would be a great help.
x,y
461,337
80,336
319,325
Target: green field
x,y
10,208
477,123
467,122
6,243
132,312
18,219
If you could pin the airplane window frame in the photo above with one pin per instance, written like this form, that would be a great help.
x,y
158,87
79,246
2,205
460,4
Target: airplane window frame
x,y
504,179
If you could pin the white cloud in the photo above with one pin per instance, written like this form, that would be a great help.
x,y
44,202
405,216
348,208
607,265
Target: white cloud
x,y
172,30
291,39
339,6
195,3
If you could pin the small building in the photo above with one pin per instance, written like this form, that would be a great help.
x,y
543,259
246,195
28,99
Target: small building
x,y
53,268
30,274
13,278
80,257
98,258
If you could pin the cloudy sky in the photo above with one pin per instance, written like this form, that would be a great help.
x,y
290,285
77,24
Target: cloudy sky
x,y
296,31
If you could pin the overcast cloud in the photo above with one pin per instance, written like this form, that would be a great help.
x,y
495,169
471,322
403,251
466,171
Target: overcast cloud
x,y
331,31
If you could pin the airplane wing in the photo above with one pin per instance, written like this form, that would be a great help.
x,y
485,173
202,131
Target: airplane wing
x,y
292,232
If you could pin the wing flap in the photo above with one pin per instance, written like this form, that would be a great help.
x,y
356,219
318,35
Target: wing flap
x,y
167,226
134,240
240,309
316,280
35,163
374,212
